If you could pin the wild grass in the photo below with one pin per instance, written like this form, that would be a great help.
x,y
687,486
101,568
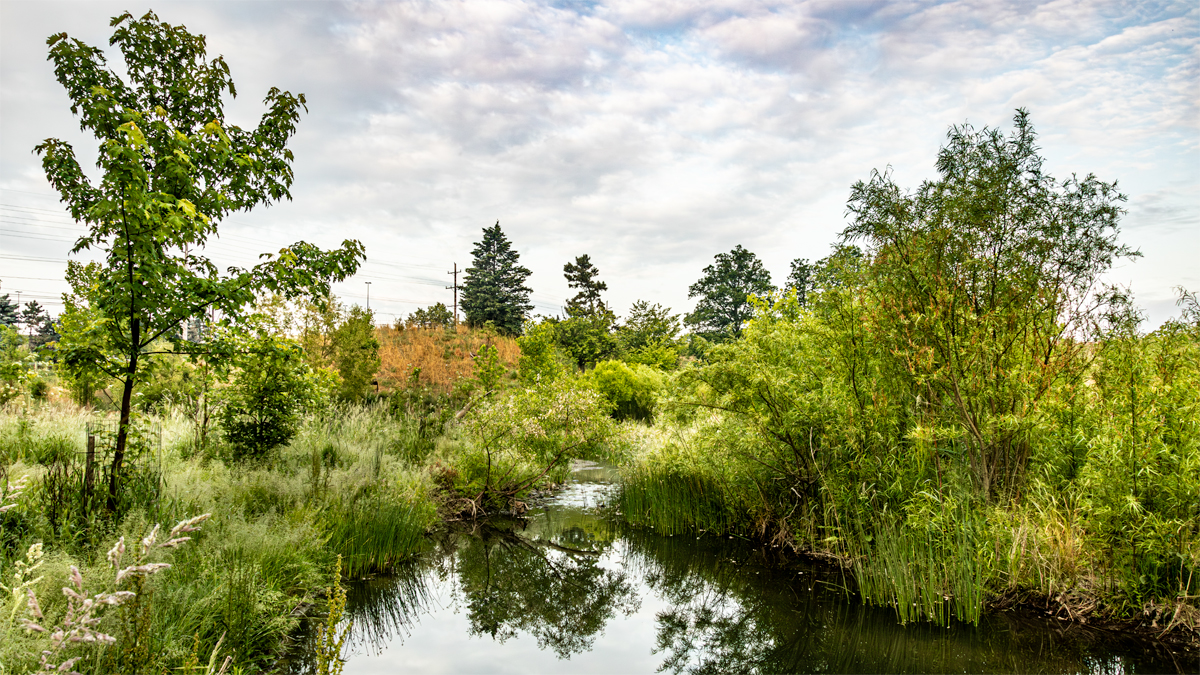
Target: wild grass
x,y
351,482
442,358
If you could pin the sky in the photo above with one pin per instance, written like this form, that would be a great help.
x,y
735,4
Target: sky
x,y
650,135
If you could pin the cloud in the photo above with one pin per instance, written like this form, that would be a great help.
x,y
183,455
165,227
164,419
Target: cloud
x,y
655,134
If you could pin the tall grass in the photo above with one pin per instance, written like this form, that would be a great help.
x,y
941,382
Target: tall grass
x,y
922,574
267,555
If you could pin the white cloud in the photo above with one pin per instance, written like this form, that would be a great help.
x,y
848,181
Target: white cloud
x,y
655,134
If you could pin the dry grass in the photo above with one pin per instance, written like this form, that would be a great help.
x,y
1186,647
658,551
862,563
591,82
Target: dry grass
x,y
444,356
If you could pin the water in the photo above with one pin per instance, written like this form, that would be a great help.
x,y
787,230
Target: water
x,y
568,591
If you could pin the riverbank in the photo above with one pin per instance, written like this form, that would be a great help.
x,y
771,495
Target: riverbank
x,y
571,588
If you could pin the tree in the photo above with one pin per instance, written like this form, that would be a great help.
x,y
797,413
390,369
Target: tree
x,y
494,288
32,316
582,275
8,311
434,316
171,170
986,282
724,293
801,280
356,352
650,335
271,388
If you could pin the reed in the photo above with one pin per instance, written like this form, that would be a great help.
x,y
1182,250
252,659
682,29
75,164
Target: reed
x,y
675,502
373,534
925,575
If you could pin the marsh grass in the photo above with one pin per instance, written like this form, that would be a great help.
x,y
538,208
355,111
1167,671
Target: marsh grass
x,y
923,574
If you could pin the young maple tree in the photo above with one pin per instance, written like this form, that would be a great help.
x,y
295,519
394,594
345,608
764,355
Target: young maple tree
x,y
171,168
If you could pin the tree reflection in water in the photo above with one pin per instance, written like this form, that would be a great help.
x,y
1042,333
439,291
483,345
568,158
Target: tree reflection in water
x,y
732,614
565,575
557,593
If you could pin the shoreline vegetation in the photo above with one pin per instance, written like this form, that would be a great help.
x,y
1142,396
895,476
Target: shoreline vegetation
x,y
367,481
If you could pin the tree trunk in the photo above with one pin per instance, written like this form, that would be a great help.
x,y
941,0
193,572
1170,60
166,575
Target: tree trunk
x,y
123,426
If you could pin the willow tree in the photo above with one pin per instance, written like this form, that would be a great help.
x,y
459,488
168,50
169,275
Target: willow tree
x,y
171,168
987,286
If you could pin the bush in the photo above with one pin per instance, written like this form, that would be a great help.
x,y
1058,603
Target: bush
x,y
271,389
516,442
630,389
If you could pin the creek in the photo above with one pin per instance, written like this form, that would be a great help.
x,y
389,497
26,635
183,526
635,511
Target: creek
x,y
569,590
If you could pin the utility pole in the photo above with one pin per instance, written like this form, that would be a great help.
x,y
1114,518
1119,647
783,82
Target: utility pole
x,y
455,287
368,295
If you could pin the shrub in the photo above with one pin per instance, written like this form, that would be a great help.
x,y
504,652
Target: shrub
x,y
271,389
630,389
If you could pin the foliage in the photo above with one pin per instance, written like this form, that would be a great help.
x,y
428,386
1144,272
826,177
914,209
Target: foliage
x,y
958,408
489,368
582,275
494,287
272,388
515,442
540,356
437,315
15,363
649,336
983,283
356,353
585,340
801,280
725,291
170,171
629,389
8,311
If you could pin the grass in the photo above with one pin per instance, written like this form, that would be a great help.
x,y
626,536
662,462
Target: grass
x,y
442,358
352,482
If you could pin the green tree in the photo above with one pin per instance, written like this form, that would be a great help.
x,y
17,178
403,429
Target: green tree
x,y
434,316
801,280
272,386
15,363
8,311
650,335
32,317
724,293
985,285
494,288
582,275
356,353
171,169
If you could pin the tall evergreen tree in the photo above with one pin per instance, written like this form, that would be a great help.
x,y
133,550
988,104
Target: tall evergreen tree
x,y
724,293
582,275
8,311
32,316
494,288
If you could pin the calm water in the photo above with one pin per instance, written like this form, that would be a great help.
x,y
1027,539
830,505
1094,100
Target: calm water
x,y
567,591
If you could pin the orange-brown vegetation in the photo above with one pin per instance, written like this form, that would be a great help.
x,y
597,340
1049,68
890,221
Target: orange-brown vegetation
x,y
444,356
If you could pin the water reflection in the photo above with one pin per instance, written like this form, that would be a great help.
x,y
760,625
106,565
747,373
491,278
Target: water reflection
x,y
569,591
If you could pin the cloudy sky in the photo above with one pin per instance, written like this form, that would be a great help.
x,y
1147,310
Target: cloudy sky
x,y
649,134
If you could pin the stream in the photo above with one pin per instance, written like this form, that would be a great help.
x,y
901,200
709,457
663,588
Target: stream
x,y
567,590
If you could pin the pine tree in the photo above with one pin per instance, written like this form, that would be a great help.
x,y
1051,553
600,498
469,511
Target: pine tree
x,y
8,311
32,316
582,275
494,288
